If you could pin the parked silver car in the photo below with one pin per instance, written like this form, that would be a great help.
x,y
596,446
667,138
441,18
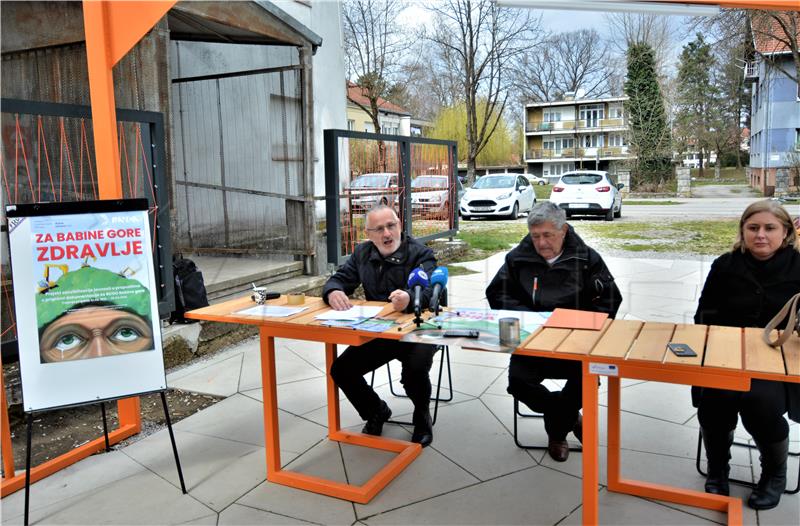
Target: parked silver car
x,y
369,190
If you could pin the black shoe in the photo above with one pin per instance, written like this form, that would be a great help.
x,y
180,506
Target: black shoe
x,y
772,483
718,454
374,425
423,428
558,450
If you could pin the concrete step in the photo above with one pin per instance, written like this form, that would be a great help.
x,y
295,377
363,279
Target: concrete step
x,y
308,284
225,276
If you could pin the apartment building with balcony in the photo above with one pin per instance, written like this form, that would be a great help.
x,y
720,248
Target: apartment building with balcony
x,y
575,133
775,114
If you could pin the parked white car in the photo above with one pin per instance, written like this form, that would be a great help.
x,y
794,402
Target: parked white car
x,y
498,195
588,193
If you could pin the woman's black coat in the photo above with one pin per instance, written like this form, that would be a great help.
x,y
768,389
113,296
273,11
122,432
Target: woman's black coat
x,y
741,291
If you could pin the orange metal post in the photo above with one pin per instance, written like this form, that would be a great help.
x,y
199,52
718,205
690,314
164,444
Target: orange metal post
x,y
613,432
333,392
5,432
269,387
112,29
591,476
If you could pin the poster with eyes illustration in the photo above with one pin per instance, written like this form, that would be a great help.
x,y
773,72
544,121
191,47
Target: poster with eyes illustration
x,y
84,290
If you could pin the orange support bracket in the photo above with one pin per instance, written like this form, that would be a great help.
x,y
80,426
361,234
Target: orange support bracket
x,y
730,505
406,451
112,29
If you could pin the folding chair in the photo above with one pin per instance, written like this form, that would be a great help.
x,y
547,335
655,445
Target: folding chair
x,y
518,414
738,481
445,358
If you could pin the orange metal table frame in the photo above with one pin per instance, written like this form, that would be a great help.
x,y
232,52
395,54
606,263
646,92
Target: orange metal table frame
x,y
728,358
304,326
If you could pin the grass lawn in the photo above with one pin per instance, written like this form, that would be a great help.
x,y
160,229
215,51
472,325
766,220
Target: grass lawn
x,y
727,175
710,237
487,240
542,191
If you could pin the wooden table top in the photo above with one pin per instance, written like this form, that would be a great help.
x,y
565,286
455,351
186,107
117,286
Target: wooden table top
x,y
230,312
723,348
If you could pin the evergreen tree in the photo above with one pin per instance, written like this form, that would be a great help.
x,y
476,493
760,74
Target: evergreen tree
x,y
699,114
647,119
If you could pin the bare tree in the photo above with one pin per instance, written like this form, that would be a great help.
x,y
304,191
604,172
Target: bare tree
x,y
375,45
637,28
564,62
480,41
783,29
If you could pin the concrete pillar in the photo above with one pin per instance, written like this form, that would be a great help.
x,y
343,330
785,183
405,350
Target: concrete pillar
x,y
624,177
781,182
682,173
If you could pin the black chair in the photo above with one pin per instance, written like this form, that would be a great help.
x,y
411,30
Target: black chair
x,y
738,481
444,359
519,414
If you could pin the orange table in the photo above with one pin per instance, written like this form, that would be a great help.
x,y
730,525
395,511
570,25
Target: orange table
x,y
303,326
728,358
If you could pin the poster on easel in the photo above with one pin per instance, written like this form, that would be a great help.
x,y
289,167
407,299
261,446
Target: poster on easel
x,y
86,302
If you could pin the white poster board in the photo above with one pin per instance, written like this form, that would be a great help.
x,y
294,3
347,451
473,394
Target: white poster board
x,y
85,300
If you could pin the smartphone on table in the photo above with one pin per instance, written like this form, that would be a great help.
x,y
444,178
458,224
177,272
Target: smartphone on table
x,y
681,349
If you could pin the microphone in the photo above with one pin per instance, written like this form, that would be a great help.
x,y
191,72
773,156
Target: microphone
x,y
416,281
439,280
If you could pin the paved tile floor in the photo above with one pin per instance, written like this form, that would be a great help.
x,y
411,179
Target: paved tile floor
x,y
472,474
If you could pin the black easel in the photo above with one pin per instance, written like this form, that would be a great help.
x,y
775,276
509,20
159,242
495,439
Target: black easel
x,y
108,447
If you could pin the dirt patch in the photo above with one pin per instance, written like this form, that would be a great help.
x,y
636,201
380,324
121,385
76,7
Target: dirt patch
x,y
57,432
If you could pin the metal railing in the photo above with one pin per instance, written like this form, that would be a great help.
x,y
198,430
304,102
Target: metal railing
x,y
570,125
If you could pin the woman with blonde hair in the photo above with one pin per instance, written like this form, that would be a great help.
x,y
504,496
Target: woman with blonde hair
x,y
746,288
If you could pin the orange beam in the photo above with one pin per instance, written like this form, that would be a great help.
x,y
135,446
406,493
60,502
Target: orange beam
x,y
333,391
269,388
112,29
591,471
17,482
5,432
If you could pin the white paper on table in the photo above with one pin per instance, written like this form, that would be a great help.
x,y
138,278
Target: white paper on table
x,y
271,311
358,312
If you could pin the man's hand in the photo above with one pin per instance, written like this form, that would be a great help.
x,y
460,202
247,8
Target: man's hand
x,y
338,300
399,299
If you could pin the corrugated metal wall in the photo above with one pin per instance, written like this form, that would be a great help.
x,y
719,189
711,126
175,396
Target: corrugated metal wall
x,y
238,151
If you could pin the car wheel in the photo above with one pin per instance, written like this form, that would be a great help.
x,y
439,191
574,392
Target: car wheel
x,y
618,213
514,211
541,183
384,201
610,214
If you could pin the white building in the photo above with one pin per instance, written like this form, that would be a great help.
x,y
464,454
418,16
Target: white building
x,y
575,133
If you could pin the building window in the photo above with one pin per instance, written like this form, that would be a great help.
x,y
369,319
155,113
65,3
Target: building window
x,y
615,112
558,168
797,140
552,116
592,141
351,124
616,139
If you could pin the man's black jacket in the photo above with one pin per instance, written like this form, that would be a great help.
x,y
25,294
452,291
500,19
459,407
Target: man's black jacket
x,y
380,275
579,279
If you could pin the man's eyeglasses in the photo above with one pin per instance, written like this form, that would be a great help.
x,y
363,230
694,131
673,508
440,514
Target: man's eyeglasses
x,y
388,226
